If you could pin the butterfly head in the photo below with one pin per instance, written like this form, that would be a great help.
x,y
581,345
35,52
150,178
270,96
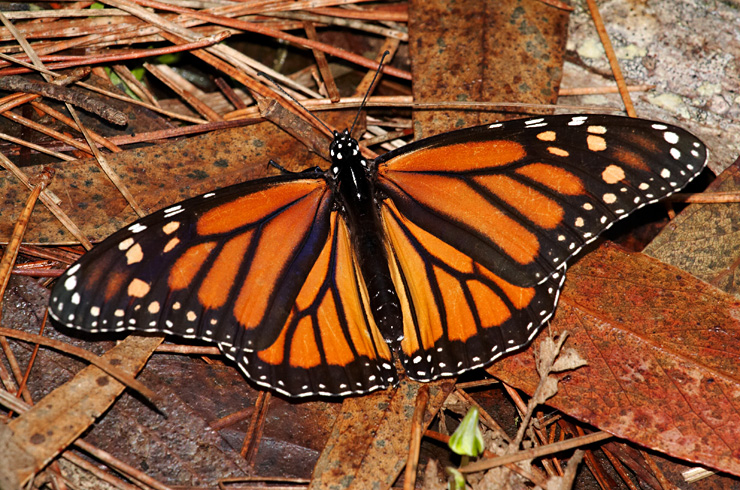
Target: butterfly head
x,y
344,150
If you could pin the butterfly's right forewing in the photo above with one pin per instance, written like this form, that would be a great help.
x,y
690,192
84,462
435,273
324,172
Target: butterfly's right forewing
x,y
224,266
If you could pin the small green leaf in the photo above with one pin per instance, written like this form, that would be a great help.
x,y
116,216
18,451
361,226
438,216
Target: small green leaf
x,y
468,439
138,73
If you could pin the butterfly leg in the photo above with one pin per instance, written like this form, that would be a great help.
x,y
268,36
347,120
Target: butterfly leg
x,y
314,171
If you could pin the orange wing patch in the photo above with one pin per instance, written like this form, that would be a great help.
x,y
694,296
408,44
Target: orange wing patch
x,y
457,297
255,206
187,266
556,178
460,157
277,238
445,195
535,206
214,290
316,333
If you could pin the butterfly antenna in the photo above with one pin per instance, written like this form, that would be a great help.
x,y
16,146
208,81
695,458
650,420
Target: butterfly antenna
x,y
281,89
370,89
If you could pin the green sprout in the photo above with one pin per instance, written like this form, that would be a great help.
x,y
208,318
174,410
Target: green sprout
x,y
468,439
456,481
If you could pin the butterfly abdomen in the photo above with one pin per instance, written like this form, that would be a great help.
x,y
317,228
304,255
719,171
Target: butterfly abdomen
x,y
357,194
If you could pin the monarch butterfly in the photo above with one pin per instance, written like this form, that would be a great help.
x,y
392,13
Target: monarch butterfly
x,y
449,252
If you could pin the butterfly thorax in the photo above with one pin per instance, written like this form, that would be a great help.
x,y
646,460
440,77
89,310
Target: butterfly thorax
x,y
350,171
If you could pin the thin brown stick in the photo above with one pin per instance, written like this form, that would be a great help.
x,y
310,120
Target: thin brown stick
x,y
378,14
38,148
706,197
23,387
11,387
230,93
21,224
254,434
61,13
55,254
37,272
231,419
200,350
537,452
558,4
602,90
15,368
612,57
101,364
417,424
476,384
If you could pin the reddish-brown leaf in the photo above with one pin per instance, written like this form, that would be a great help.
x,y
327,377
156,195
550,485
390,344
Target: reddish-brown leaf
x,y
662,348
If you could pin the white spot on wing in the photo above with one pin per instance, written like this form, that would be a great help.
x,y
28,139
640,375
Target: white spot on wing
x,y
136,228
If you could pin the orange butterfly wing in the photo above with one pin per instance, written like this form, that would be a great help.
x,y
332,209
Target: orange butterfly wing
x,y
458,315
264,269
481,222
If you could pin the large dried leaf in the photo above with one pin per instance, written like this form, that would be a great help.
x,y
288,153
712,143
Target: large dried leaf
x,y
370,441
483,51
57,421
157,176
662,348
705,239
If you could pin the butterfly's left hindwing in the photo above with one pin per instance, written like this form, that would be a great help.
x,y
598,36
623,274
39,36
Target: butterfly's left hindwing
x,y
458,315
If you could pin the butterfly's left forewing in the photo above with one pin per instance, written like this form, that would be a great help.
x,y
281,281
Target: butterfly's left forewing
x,y
523,196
